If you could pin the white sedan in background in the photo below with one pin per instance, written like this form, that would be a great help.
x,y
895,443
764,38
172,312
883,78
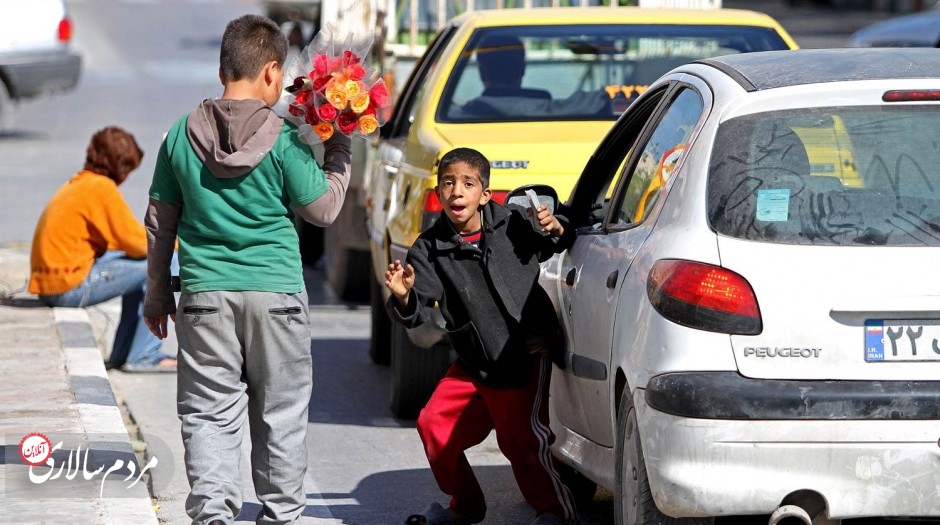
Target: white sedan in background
x,y
752,305
911,30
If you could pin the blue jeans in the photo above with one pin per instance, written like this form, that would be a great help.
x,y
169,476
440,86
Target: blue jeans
x,y
115,274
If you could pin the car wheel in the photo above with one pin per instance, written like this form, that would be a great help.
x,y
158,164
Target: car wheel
x,y
582,488
415,373
6,108
379,342
346,269
633,500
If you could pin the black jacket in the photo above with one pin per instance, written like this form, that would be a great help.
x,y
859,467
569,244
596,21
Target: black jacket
x,y
489,296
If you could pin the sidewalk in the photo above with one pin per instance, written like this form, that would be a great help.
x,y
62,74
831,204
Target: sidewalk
x,y
53,381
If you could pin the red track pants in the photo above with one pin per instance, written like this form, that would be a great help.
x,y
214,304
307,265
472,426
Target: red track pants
x,y
462,412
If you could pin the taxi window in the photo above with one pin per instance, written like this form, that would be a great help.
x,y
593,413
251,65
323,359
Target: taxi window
x,y
578,72
829,176
658,158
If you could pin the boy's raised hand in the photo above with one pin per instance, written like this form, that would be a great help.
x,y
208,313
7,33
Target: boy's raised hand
x,y
549,223
399,280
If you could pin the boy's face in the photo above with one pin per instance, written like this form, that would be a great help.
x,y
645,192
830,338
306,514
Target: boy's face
x,y
461,193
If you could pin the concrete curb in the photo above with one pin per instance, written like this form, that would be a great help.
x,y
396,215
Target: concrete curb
x,y
97,407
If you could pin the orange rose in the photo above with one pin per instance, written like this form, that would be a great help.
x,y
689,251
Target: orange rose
x,y
368,124
336,96
324,130
360,102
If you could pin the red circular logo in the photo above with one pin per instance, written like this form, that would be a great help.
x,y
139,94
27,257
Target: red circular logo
x,y
35,449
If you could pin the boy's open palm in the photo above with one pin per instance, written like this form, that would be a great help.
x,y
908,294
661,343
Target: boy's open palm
x,y
399,280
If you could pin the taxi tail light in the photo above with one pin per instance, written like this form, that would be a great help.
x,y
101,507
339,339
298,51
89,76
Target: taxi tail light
x,y
911,95
65,30
704,296
432,206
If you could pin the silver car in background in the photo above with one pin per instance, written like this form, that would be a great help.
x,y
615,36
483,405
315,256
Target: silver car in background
x,y
752,305
911,30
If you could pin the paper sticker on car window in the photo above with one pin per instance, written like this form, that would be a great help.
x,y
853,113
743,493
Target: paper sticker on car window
x,y
773,205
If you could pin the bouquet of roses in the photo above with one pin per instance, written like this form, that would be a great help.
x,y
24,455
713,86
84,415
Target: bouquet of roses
x,y
331,88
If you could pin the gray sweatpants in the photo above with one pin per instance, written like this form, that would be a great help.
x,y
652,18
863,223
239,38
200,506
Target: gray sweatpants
x,y
244,353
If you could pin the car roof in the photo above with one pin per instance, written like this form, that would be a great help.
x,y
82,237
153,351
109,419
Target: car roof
x,y
615,15
777,69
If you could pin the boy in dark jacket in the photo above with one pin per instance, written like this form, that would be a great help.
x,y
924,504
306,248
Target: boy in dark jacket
x,y
480,262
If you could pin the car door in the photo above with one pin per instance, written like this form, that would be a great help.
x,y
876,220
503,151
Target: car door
x,y
381,187
593,270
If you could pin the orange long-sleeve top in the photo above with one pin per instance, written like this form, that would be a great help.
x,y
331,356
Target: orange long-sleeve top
x,y
86,217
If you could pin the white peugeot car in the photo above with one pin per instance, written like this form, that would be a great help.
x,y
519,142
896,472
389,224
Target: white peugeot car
x,y
752,305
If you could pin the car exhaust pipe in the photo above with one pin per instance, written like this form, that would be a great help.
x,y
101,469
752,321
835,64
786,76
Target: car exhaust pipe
x,y
790,515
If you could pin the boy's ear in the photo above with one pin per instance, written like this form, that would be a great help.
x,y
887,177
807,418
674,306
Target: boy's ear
x,y
271,72
486,196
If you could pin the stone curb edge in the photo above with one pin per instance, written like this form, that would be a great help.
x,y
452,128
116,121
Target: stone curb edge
x,y
97,406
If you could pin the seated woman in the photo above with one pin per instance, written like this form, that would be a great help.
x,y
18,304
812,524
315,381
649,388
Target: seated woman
x,y
89,248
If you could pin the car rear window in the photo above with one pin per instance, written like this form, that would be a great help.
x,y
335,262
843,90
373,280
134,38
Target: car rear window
x,y
578,72
829,176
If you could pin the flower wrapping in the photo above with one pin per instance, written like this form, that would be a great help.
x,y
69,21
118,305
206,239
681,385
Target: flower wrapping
x,y
331,88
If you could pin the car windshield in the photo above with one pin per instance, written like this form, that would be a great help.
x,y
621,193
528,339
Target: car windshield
x,y
572,72
829,176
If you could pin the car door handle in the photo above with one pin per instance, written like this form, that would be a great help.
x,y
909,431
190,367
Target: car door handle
x,y
612,279
569,279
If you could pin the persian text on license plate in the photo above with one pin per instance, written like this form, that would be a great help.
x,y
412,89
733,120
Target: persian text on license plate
x,y
902,340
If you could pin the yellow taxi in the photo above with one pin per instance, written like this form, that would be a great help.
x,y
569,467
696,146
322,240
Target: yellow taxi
x,y
534,90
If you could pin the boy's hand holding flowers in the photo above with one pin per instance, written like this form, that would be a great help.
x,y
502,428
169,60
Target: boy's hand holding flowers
x,y
331,91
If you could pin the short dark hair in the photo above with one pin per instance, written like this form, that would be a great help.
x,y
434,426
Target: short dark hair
x,y
250,42
501,59
470,157
114,153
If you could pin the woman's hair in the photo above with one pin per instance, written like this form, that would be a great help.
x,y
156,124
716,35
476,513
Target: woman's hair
x,y
471,157
114,153
250,42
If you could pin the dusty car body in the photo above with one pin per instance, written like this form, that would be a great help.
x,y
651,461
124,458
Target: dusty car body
x,y
763,336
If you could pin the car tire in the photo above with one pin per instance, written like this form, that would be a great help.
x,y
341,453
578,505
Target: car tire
x,y
6,108
633,499
582,489
380,348
347,270
415,372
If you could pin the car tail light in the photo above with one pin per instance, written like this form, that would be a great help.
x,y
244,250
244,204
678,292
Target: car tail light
x,y
703,296
432,206
65,30
911,95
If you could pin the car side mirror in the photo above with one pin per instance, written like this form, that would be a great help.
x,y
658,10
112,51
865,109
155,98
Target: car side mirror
x,y
545,194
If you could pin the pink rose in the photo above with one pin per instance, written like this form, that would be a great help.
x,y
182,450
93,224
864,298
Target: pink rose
x,y
327,112
379,94
320,66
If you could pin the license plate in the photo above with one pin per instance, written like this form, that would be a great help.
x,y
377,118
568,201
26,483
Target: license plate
x,y
902,340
